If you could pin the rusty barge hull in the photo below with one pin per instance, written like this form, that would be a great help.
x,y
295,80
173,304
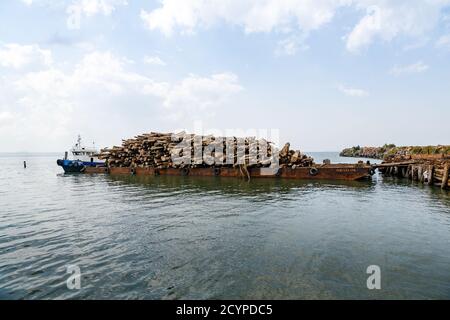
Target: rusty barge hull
x,y
347,172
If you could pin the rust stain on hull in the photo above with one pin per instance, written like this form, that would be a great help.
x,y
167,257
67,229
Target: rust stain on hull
x,y
92,170
320,172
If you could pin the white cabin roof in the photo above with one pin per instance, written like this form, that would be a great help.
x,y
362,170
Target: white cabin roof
x,y
79,149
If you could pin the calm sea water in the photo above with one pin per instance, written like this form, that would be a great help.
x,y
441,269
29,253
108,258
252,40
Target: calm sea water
x,y
212,238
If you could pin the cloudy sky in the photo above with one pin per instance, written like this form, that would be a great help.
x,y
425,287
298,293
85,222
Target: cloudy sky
x,y
326,73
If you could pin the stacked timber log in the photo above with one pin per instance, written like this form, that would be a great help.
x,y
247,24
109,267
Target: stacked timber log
x,y
161,150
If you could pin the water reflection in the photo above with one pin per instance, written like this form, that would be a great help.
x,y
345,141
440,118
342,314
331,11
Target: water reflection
x,y
235,186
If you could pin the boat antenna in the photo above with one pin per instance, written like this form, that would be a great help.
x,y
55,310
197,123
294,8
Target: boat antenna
x,y
79,140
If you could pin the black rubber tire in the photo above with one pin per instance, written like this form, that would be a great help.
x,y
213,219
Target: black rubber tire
x,y
217,172
313,171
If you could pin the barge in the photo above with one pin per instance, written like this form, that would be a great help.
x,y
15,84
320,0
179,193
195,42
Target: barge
x,y
155,154
347,172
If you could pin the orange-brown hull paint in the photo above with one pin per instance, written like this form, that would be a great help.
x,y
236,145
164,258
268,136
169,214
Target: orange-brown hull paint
x,y
325,172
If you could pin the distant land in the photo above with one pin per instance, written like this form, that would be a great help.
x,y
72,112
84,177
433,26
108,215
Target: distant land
x,y
392,150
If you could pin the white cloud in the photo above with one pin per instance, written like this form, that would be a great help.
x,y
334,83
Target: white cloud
x,y
382,19
89,8
353,92
93,7
200,93
252,15
386,20
154,60
443,42
18,56
39,109
5,117
417,67
291,45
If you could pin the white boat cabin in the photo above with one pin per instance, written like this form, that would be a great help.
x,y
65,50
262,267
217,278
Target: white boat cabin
x,y
84,154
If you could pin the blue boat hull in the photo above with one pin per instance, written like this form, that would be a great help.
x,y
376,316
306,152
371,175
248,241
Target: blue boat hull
x,y
75,166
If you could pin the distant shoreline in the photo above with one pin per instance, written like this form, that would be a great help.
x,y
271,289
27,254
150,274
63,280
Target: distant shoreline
x,y
29,153
392,150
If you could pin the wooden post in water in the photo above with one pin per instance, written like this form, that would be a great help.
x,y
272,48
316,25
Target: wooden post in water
x,y
404,171
414,171
445,177
430,174
24,164
408,172
420,173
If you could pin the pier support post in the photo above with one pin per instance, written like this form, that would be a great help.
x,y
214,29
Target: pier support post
x,y
408,172
430,174
420,173
389,171
404,171
24,164
414,172
445,177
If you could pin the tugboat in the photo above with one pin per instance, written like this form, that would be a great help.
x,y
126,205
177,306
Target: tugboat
x,y
82,158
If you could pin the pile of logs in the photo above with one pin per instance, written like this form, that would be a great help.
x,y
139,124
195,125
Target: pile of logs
x,y
157,150
151,150
293,158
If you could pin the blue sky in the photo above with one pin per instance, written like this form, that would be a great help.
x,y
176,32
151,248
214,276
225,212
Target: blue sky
x,y
327,74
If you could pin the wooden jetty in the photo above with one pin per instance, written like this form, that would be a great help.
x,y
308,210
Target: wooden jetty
x,y
426,169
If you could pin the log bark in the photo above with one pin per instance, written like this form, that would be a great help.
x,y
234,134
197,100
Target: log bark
x,y
160,150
